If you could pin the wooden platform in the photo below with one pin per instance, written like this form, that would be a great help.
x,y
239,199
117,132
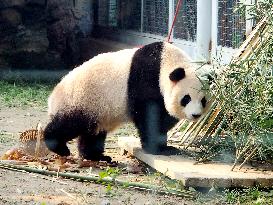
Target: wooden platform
x,y
199,175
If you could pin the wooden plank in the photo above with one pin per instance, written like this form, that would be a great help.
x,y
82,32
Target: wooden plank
x,y
199,175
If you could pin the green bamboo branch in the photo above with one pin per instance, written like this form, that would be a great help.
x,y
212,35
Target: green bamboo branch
x,y
233,86
241,153
252,153
107,180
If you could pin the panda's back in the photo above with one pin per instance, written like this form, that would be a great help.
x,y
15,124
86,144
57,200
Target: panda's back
x,y
98,87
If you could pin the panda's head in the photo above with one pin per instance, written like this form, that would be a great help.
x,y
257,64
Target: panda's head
x,y
186,99
182,90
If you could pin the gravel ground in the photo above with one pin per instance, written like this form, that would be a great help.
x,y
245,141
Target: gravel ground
x,y
26,188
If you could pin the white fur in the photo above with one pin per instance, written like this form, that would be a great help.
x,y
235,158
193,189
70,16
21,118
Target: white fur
x,y
173,58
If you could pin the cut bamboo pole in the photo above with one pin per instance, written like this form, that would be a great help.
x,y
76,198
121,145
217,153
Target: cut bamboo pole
x,y
97,179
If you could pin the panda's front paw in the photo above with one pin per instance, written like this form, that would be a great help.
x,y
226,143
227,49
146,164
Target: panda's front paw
x,y
151,149
100,157
162,150
106,159
169,150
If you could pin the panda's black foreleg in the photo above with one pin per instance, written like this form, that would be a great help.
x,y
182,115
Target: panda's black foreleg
x,y
166,123
153,123
145,117
91,146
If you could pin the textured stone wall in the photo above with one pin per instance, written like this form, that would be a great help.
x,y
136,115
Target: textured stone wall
x,y
43,34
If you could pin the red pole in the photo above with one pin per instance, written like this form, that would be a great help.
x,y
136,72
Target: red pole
x,y
174,19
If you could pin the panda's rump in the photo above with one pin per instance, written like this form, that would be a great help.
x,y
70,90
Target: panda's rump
x,y
99,87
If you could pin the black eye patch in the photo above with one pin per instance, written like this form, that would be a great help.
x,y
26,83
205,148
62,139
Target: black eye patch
x,y
177,75
185,100
204,102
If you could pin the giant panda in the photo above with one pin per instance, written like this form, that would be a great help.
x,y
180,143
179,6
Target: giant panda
x,y
153,86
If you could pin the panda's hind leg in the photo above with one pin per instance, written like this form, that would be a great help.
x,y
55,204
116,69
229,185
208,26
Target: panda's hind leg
x,y
62,128
91,146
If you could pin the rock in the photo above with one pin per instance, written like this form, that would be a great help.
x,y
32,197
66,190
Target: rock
x,y
11,3
3,63
34,15
82,15
43,33
34,40
62,31
10,17
36,2
6,45
56,10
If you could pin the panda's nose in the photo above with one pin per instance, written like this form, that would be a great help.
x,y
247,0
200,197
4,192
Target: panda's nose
x,y
195,116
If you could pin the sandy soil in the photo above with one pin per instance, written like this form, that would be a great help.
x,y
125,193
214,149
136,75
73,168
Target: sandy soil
x,y
25,188
14,120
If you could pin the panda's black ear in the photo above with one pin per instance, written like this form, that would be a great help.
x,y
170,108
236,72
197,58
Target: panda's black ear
x,y
177,74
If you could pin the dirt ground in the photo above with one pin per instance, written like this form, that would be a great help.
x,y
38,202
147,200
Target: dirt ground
x,y
26,188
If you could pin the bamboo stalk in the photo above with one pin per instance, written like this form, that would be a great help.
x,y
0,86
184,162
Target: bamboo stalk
x,y
241,154
213,122
249,156
38,141
176,129
197,128
219,128
242,51
185,134
97,179
191,127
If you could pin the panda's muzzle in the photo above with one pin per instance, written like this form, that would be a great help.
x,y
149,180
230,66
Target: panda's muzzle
x,y
195,116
